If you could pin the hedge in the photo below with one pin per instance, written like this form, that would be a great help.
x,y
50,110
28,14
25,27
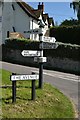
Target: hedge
x,y
21,44
66,34
71,22
63,50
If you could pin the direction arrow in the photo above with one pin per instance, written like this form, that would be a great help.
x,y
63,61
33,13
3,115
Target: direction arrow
x,y
47,45
24,77
30,53
40,59
49,39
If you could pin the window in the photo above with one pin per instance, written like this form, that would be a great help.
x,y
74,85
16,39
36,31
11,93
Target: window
x,y
13,7
14,29
0,18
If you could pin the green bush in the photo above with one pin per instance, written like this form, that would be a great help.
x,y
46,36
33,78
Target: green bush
x,y
66,34
21,44
63,51
71,22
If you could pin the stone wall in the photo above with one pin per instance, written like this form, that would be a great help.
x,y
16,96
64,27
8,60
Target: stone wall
x,y
64,64
61,64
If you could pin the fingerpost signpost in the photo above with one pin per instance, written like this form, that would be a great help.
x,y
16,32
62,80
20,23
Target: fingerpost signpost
x,y
45,43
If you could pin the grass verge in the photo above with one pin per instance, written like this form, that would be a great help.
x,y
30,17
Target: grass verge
x,y
49,103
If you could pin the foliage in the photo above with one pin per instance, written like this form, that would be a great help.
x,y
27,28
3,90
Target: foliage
x,y
49,103
70,22
66,34
76,6
64,50
21,44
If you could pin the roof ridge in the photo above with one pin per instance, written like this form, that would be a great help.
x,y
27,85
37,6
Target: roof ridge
x,y
27,8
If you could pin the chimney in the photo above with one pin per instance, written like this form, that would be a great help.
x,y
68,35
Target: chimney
x,y
41,7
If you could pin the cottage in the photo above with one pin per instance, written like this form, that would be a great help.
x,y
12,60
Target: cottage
x,y
18,16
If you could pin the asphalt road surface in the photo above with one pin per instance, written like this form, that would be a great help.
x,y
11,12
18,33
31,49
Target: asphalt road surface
x,y
66,83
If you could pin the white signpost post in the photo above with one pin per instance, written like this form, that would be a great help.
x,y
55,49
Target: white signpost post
x,y
30,53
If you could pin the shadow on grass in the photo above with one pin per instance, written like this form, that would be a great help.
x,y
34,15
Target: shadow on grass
x,y
19,86
9,99
27,87
20,98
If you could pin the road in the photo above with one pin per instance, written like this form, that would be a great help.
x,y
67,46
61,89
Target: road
x,y
66,83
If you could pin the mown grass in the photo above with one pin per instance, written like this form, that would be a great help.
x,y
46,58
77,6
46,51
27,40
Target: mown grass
x,y
49,103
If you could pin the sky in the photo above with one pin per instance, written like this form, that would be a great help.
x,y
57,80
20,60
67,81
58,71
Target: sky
x,y
58,10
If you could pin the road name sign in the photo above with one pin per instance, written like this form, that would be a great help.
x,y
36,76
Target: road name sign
x,y
47,45
30,53
34,31
49,39
24,77
40,59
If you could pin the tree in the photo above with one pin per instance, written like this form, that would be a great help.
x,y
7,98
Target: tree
x,y
71,22
76,6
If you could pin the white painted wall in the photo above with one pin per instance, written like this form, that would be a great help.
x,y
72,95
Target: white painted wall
x,y
45,27
14,18
19,20
7,19
34,25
